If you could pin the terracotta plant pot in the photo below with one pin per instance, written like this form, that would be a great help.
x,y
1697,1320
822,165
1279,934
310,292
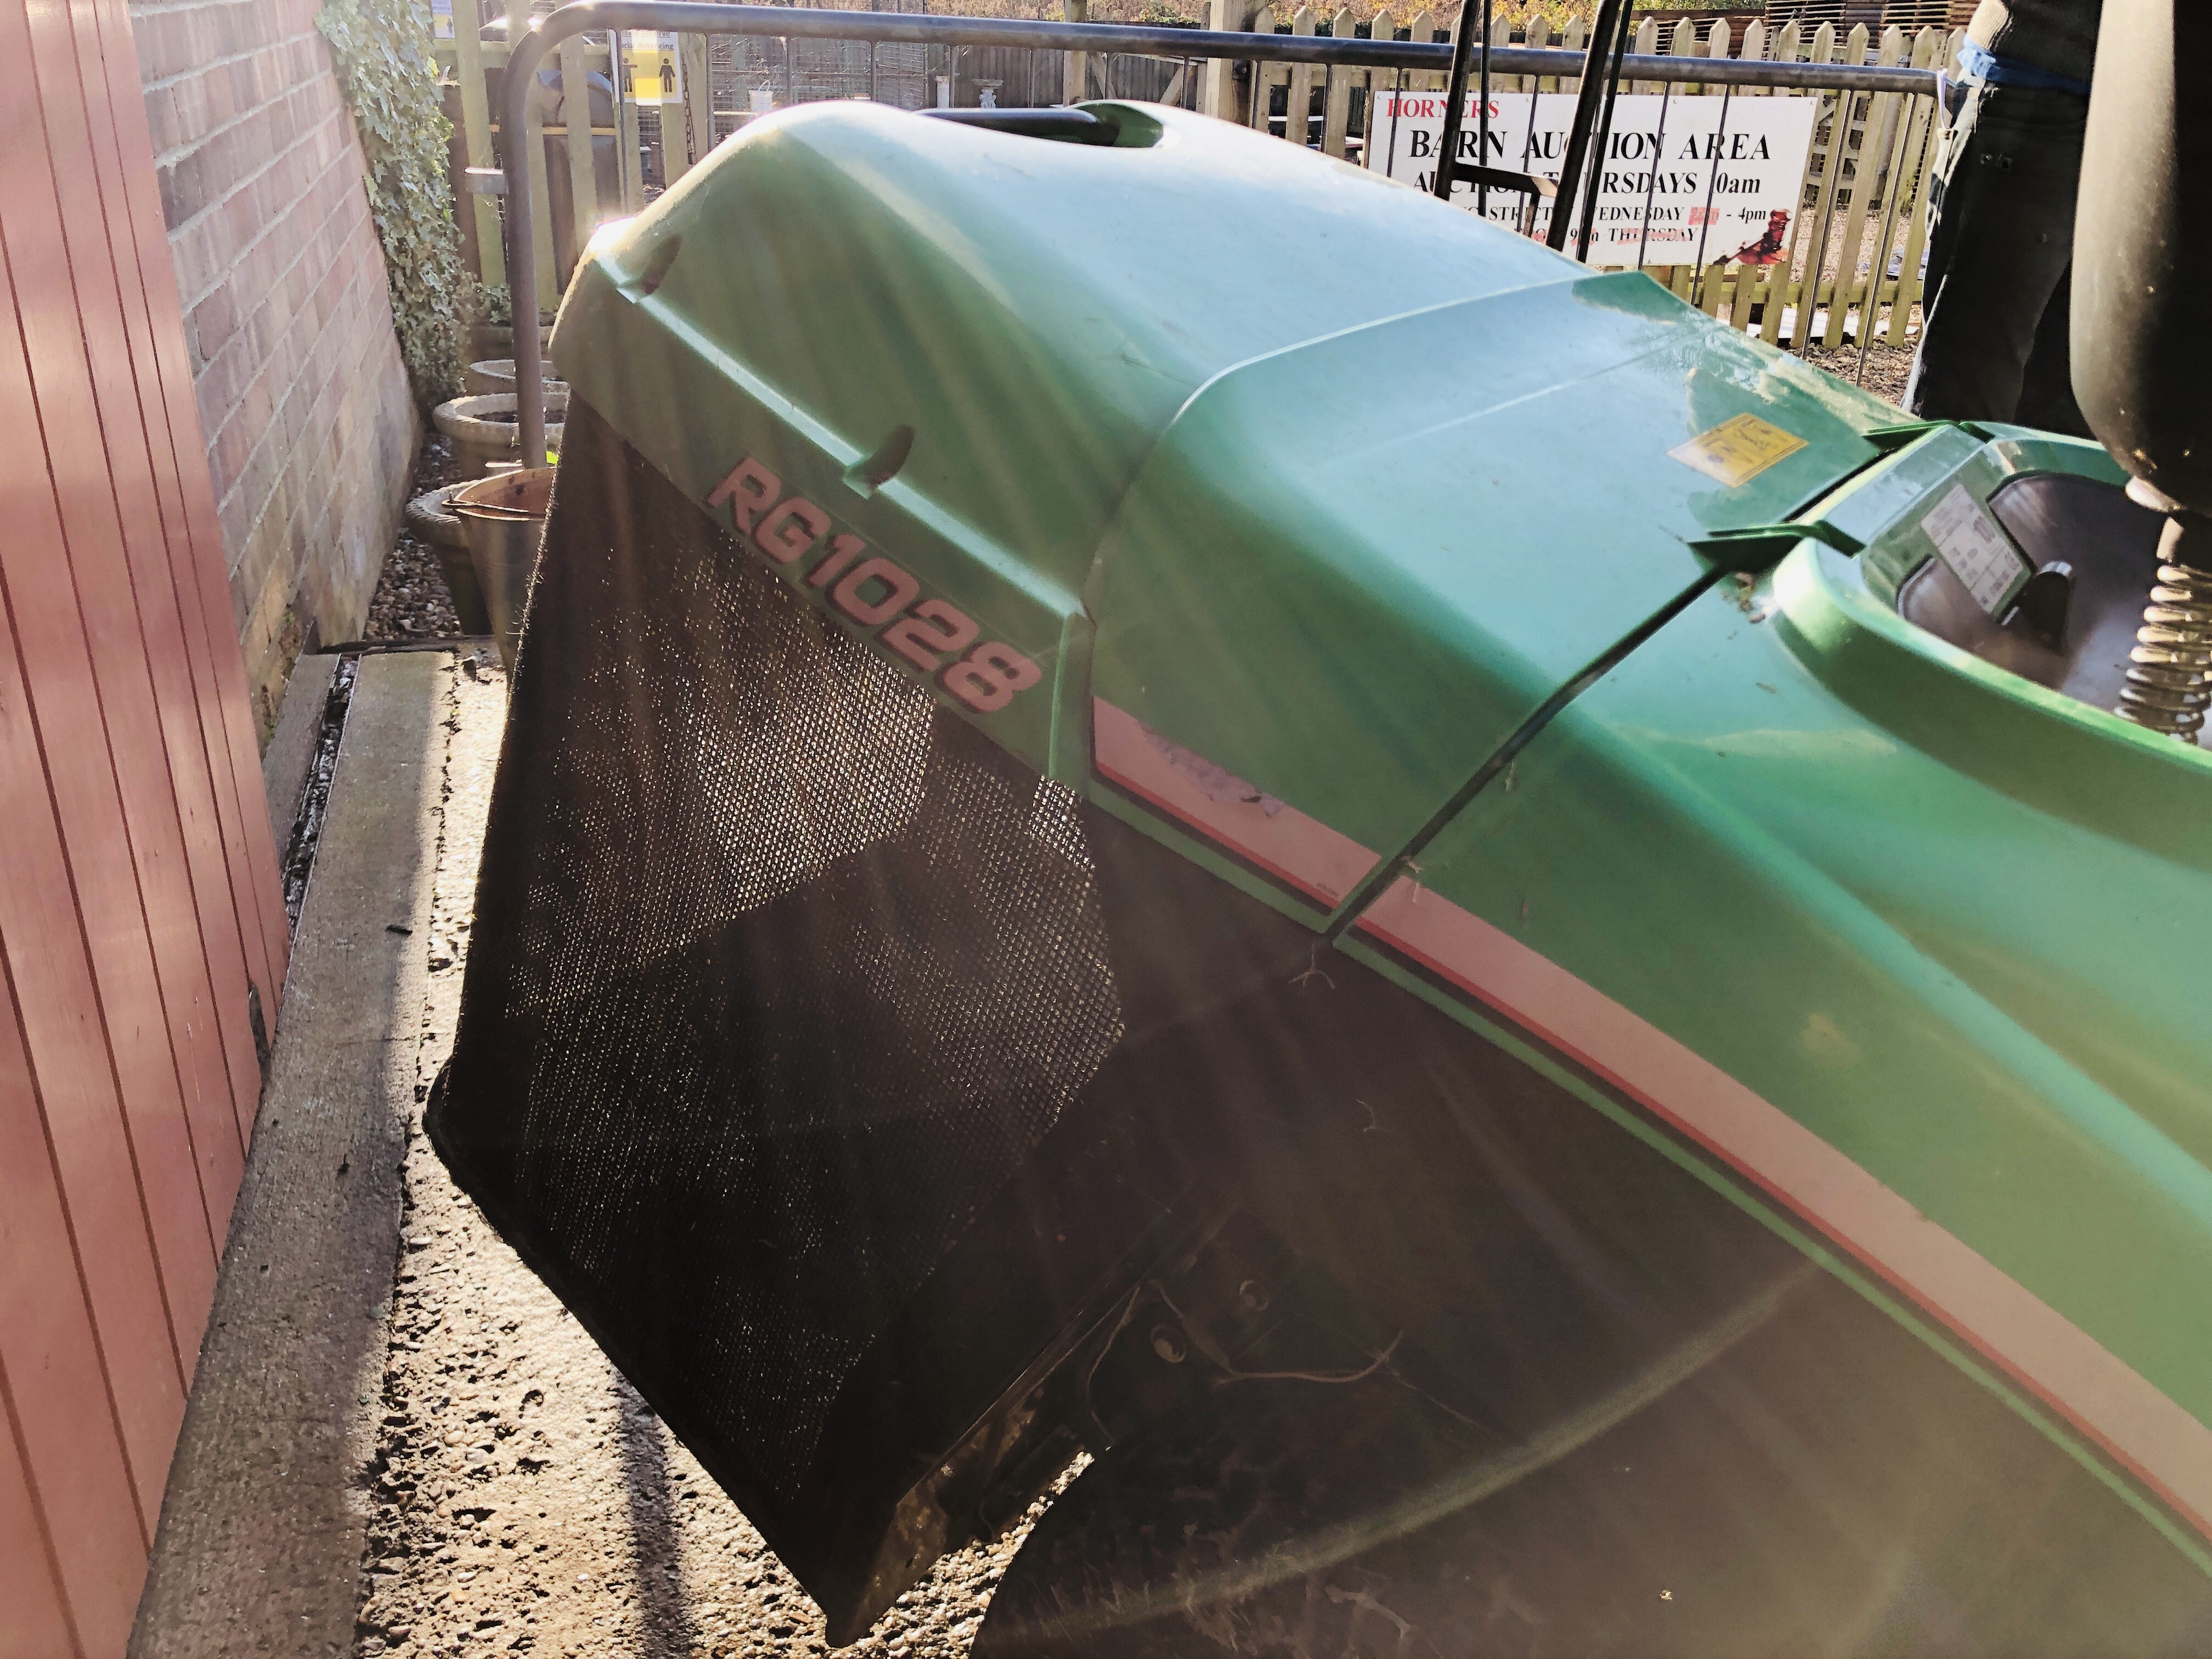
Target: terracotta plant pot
x,y
491,340
496,374
505,515
482,429
431,516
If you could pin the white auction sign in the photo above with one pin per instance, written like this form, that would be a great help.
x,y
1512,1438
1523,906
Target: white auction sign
x,y
1687,180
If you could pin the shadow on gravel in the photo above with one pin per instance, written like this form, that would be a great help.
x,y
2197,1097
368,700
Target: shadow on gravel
x,y
656,1550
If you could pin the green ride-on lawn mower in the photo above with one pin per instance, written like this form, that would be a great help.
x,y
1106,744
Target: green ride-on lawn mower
x,y
1165,802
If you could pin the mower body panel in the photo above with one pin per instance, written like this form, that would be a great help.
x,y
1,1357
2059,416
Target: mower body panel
x,y
1258,508
1116,362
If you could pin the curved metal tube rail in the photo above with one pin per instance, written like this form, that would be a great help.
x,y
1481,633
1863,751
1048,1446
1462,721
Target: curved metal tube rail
x,y
695,17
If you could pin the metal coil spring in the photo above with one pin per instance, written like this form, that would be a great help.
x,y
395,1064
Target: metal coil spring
x,y
2167,689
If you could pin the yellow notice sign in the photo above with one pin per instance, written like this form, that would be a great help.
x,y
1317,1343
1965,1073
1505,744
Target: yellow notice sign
x,y
1736,452
652,74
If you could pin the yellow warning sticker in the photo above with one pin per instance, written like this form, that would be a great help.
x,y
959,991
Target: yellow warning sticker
x,y
1736,452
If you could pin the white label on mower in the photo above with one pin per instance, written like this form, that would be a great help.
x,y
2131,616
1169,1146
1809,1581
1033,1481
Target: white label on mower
x,y
1978,553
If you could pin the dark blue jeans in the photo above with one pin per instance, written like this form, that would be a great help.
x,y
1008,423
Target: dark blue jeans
x,y
1993,343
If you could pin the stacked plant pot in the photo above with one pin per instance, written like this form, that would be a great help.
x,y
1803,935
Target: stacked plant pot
x,y
481,430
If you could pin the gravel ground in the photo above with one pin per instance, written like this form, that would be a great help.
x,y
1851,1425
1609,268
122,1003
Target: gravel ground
x,y
1886,368
410,601
523,1498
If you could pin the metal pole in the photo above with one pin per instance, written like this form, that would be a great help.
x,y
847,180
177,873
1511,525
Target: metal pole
x,y
1482,124
1651,178
1604,133
1596,58
1455,99
1397,108
530,45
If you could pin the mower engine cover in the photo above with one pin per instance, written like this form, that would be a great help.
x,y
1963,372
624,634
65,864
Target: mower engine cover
x,y
1018,615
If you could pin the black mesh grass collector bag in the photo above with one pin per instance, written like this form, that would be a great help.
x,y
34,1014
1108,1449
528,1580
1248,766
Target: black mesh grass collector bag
x,y
787,985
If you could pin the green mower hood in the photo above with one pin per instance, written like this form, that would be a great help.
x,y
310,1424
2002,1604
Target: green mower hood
x,y
1268,503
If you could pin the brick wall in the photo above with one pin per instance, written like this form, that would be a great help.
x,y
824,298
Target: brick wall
x,y
311,428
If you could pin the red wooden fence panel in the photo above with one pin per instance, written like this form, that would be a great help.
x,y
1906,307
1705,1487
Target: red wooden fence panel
x,y
138,902
226,711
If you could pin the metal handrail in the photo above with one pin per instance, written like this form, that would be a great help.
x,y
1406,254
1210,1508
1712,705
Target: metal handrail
x,y
1146,40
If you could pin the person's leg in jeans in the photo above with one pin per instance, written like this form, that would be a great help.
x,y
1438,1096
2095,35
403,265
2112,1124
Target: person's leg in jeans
x,y
1999,256
2046,389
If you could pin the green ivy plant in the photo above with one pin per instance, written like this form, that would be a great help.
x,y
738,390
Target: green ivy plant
x,y
385,70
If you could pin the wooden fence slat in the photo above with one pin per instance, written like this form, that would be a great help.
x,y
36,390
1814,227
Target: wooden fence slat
x,y
1924,196
1374,146
43,945
541,217
1748,281
1336,102
35,1621
1682,42
1647,46
1715,286
1814,244
1075,66
231,948
476,134
1850,122
675,143
1902,200
631,138
184,877
576,143
1540,35
1424,28
1781,280
1573,39
1298,108
1501,36
1866,166
1754,284
1220,94
1897,158
50,1356
81,949
1263,76
228,726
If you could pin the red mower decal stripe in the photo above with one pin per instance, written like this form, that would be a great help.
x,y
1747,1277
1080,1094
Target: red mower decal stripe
x,y
2047,1355
1301,852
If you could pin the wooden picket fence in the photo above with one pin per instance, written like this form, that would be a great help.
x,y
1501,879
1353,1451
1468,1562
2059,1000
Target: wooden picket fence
x,y
1863,202
1855,245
